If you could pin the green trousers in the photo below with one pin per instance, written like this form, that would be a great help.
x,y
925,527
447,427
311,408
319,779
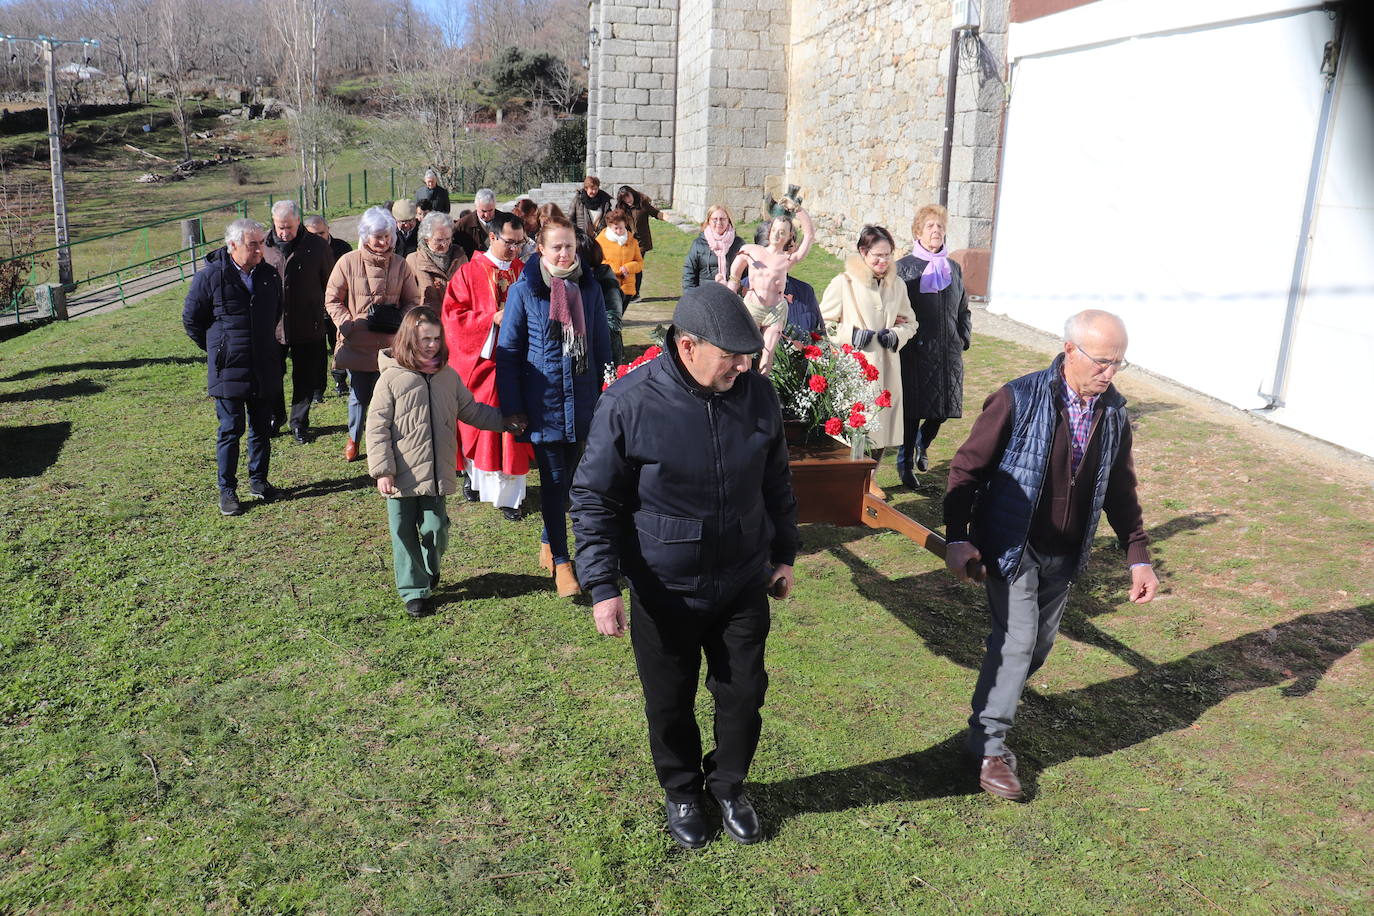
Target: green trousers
x,y
419,537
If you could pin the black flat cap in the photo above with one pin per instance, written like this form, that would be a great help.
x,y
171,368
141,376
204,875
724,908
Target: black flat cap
x,y
716,315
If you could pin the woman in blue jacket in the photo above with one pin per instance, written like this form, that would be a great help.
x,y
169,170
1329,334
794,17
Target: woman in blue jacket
x,y
551,358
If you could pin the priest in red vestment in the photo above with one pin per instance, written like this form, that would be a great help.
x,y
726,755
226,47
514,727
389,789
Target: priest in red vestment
x,y
495,463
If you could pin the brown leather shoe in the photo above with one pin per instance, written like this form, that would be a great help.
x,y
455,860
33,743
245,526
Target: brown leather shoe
x,y
351,451
566,580
997,775
545,558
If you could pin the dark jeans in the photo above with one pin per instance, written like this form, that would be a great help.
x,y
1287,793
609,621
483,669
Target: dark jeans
x,y
230,412
557,461
307,377
360,387
668,648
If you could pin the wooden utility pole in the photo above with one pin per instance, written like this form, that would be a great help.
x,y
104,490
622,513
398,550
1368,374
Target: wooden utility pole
x,y
59,192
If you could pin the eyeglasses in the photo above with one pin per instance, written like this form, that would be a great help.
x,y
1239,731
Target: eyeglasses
x,y
514,243
1120,365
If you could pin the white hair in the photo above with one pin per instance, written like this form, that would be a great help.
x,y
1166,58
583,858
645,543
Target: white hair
x,y
285,207
1077,325
235,231
484,196
315,219
430,173
432,221
375,221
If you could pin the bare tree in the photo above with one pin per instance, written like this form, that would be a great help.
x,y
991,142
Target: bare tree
x,y
174,28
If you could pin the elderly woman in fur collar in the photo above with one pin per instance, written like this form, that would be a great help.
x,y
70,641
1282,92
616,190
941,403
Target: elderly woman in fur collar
x,y
768,266
870,311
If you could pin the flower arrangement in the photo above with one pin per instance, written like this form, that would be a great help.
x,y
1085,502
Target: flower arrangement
x,y
616,372
828,388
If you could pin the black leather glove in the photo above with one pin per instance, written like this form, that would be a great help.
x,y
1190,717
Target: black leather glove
x,y
888,338
862,337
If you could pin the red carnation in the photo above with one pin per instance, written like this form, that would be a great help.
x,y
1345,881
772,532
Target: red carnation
x,y
856,420
884,399
817,383
815,337
846,349
833,426
870,372
812,352
857,407
621,370
653,352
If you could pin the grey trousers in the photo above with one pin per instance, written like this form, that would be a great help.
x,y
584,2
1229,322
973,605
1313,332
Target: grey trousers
x,y
1025,616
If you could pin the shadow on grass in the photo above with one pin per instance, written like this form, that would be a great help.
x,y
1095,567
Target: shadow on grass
x,y
31,450
58,392
492,585
106,365
1096,720
325,487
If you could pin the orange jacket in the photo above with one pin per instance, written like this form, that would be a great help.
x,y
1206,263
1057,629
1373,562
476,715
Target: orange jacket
x,y
627,256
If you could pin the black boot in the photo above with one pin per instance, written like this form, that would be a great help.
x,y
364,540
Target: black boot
x,y
904,466
740,820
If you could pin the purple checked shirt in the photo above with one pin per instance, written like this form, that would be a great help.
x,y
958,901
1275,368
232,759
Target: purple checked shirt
x,y
1080,422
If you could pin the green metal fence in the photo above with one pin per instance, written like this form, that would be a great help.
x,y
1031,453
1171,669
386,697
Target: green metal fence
x,y
154,254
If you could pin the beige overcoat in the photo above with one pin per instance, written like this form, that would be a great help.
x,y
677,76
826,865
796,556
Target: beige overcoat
x,y
360,279
856,299
412,427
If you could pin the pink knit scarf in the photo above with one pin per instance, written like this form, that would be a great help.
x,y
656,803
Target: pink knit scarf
x,y
720,247
937,274
567,321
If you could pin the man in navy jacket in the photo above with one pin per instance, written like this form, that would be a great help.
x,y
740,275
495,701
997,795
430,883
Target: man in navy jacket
x,y
684,488
231,313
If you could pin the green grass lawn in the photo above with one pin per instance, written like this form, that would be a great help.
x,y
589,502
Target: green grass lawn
x,y
207,714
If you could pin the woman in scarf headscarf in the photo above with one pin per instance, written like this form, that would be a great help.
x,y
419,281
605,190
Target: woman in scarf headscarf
x,y
713,251
435,259
932,364
551,356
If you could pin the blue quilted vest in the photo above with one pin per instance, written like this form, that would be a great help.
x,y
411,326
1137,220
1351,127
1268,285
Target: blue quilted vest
x,y
1007,501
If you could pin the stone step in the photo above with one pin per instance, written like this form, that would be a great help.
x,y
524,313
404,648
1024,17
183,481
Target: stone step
x,y
558,192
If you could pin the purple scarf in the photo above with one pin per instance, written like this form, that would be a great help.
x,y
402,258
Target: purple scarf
x,y
937,274
567,322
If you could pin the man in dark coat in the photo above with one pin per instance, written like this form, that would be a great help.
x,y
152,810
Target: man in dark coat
x,y
684,488
317,225
303,261
1049,453
434,193
231,313
475,227
407,227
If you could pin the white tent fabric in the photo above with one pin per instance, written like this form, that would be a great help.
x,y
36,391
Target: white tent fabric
x,y
1164,178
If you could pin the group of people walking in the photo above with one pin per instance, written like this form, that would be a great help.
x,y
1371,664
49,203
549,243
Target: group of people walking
x,y
488,353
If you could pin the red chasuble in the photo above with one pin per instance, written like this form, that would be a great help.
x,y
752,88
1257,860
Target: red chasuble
x,y
476,293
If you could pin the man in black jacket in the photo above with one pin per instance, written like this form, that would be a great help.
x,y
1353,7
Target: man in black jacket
x,y
303,261
433,193
685,488
317,225
231,313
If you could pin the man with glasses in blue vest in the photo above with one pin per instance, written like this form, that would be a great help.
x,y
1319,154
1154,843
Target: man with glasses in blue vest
x,y
1049,454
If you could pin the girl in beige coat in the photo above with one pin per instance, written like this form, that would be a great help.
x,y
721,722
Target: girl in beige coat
x,y
868,304
372,275
412,448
